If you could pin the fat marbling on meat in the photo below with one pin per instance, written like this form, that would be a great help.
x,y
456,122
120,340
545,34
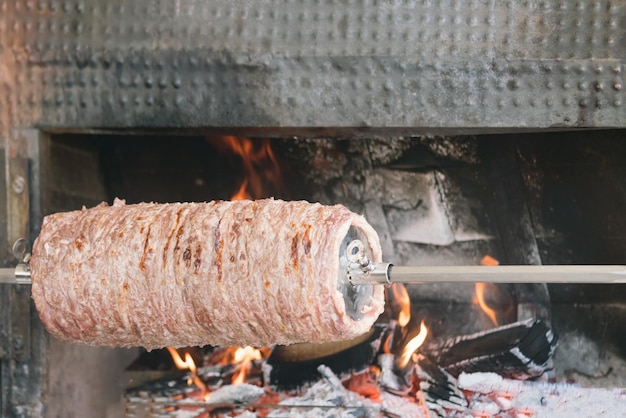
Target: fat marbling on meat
x,y
182,274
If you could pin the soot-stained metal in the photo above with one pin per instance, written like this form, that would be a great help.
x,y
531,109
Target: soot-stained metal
x,y
419,65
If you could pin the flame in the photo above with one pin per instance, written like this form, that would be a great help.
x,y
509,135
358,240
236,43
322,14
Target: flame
x,y
489,261
242,194
387,345
244,356
401,296
188,364
413,344
480,300
260,165
480,291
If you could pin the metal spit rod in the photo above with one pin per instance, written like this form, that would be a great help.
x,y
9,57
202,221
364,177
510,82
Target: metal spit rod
x,y
387,273
362,271
17,275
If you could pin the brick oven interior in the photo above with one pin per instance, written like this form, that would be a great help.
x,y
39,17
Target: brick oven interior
x,y
458,128
537,198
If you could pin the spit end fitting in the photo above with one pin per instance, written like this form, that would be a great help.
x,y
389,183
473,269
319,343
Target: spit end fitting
x,y
22,274
355,253
376,273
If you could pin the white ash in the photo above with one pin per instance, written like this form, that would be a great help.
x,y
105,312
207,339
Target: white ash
x,y
327,398
388,378
247,414
484,408
241,393
540,399
179,413
580,358
400,406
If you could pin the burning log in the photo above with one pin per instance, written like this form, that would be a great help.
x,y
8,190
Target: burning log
x,y
522,350
294,366
440,389
393,380
327,398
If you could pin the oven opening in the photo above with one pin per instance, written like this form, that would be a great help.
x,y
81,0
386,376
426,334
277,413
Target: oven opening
x,y
526,198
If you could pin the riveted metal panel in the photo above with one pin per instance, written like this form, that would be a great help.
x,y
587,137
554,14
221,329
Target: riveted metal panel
x,y
315,63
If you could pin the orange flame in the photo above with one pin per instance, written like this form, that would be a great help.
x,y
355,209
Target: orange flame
x,y
260,165
244,356
480,291
489,261
387,345
480,299
401,296
242,194
413,344
188,364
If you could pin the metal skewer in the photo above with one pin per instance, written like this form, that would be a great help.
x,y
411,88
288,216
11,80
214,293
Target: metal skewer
x,y
387,273
361,271
18,275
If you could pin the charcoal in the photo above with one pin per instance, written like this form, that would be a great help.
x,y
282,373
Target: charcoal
x,y
522,350
289,375
328,398
439,388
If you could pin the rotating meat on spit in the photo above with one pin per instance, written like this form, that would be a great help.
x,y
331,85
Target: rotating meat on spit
x,y
220,273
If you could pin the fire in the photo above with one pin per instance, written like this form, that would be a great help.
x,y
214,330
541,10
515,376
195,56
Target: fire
x,y
489,261
387,345
364,384
480,299
188,364
244,356
413,344
401,296
260,166
480,291
242,194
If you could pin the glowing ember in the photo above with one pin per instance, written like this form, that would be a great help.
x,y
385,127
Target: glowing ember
x,y
401,296
364,384
244,356
413,344
260,166
188,364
